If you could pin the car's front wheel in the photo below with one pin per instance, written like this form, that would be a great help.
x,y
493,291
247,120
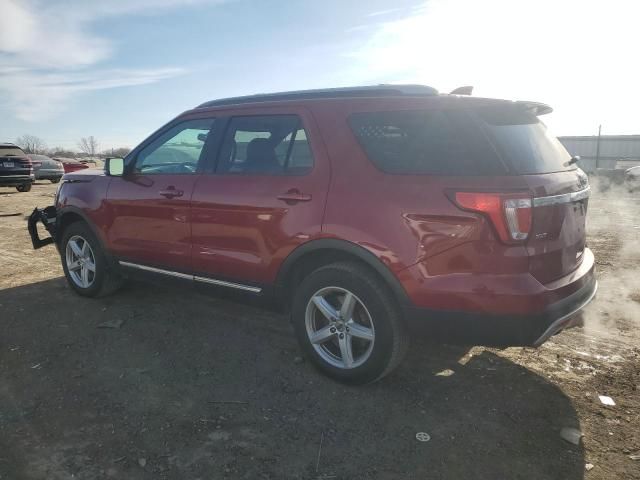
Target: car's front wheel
x,y
348,323
85,264
55,180
24,187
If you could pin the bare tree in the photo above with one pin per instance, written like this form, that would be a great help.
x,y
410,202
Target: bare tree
x,y
61,152
31,144
88,145
119,152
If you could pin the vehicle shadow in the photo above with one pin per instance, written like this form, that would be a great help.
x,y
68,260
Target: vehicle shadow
x,y
187,386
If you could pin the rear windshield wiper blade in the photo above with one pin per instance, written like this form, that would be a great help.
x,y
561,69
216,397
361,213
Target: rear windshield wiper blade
x,y
572,160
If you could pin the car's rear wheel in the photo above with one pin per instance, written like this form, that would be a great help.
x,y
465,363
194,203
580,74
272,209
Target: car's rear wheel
x,y
55,180
24,187
84,263
348,323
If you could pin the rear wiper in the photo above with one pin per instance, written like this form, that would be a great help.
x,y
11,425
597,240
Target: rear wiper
x,y
572,160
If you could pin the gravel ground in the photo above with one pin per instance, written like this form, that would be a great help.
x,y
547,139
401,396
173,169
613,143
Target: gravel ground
x,y
188,386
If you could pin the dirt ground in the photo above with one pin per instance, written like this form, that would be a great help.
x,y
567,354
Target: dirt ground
x,y
195,387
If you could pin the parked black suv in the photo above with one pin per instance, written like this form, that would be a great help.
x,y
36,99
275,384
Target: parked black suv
x,y
16,169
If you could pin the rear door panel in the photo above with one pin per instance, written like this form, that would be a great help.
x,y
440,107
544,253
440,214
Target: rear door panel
x,y
241,230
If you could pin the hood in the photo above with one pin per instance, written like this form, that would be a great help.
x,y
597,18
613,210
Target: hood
x,y
85,175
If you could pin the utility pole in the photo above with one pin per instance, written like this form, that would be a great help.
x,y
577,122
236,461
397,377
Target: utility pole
x,y
598,146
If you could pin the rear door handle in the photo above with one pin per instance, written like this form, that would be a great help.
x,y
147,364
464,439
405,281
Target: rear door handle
x,y
294,196
171,192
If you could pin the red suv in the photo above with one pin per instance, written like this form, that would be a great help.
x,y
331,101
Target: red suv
x,y
363,211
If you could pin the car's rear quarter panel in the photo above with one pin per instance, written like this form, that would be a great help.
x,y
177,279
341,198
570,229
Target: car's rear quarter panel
x,y
405,219
445,258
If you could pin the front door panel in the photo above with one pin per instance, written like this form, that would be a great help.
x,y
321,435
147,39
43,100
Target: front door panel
x,y
148,227
150,205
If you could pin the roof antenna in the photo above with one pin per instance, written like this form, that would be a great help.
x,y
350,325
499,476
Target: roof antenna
x,y
462,91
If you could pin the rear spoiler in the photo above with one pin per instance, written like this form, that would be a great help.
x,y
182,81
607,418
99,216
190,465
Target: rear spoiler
x,y
536,108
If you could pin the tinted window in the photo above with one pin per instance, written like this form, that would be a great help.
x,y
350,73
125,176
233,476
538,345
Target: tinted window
x,y
438,142
177,150
265,145
524,141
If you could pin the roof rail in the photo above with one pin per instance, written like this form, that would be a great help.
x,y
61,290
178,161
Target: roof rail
x,y
344,92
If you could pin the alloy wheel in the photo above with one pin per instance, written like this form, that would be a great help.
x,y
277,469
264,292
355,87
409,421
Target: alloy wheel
x,y
339,327
81,262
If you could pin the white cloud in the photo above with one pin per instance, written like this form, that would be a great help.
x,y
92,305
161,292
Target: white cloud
x,y
49,53
36,95
380,13
577,55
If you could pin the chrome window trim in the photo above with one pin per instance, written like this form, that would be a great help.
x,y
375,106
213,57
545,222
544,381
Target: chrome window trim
x,y
562,198
186,276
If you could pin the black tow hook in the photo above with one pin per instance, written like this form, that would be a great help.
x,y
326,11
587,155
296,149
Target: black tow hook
x,y
48,218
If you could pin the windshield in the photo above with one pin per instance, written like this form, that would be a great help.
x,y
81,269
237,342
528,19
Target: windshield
x,y
524,141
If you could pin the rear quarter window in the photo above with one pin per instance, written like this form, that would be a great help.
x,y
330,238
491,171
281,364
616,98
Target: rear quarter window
x,y
432,142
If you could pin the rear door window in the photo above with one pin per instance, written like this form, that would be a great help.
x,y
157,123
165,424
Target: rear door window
x,y
265,145
435,142
524,141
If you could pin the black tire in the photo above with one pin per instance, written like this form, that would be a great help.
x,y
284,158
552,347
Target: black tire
x,y
106,279
390,340
25,187
55,180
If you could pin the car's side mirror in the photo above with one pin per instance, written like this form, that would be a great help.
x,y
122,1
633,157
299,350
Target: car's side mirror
x,y
114,167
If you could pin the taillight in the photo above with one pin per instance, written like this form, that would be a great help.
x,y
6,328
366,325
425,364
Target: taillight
x,y
510,213
26,163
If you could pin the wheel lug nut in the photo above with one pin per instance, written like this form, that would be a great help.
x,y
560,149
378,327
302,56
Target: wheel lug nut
x,y
332,329
342,335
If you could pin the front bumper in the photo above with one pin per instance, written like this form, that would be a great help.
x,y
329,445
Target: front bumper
x,y
500,330
47,216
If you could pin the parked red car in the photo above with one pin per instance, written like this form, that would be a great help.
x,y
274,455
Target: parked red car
x,y
71,164
364,211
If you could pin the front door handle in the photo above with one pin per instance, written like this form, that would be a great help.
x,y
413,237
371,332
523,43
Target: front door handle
x,y
294,196
171,192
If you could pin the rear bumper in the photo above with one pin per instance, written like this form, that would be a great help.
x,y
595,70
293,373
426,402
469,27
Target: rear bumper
x,y
14,180
48,174
46,216
500,330
523,313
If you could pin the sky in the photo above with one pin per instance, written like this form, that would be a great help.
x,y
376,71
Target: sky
x,y
119,69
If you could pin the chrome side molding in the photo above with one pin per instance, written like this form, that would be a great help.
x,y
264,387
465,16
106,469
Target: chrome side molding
x,y
222,283
195,278
156,270
562,198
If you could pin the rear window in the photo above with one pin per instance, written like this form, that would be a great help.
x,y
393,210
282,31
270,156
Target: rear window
x,y
265,145
11,152
524,141
436,142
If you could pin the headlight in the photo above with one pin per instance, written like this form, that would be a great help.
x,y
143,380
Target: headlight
x,y
58,188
